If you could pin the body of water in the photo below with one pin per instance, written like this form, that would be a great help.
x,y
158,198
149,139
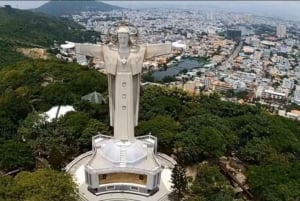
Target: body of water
x,y
188,64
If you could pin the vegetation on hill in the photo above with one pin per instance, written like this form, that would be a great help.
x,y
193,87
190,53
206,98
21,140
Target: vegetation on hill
x,y
58,8
193,128
49,82
203,128
44,184
20,28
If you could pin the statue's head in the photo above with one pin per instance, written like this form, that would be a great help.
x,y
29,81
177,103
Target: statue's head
x,y
123,34
123,38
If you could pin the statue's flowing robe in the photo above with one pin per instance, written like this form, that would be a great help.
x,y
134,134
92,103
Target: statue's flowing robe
x,y
123,82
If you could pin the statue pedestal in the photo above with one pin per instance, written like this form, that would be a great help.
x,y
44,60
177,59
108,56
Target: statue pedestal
x,y
118,166
116,169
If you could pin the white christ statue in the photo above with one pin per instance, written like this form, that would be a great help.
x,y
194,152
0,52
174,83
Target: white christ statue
x,y
123,61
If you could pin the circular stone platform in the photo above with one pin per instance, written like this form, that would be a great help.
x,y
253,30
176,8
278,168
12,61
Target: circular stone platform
x,y
76,169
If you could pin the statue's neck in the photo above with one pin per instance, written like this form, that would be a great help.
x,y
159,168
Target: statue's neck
x,y
124,51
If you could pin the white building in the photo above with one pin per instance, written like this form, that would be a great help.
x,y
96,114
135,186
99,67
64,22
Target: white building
x,y
281,31
270,94
288,83
297,71
57,112
296,98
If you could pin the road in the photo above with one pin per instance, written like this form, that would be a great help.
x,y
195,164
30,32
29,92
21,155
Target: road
x,y
225,63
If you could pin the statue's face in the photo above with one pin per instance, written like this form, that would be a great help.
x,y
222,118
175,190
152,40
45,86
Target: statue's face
x,y
123,39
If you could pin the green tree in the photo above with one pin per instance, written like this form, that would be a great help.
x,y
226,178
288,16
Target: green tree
x,y
59,141
179,182
208,143
76,122
44,184
43,137
205,136
191,109
58,94
13,106
15,155
258,151
164,128
148,77
248,126
6,188
88,81
210,184
161,100
275,182
212,142
92,128
95,111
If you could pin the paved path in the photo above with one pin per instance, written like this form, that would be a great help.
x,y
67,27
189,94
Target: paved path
x,y
224,64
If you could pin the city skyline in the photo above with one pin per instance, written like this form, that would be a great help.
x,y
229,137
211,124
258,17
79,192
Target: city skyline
x,y
282,9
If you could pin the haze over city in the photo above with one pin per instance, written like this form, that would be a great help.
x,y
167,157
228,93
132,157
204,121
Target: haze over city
x,y
282,9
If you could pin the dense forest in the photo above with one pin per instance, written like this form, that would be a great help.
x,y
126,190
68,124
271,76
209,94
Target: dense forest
x,y
29,88
192,128
204,128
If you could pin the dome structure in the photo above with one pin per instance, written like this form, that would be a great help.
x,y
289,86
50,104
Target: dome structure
x,y
129,152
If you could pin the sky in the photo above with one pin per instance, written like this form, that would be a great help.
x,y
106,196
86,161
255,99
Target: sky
x,y
23,4
283,9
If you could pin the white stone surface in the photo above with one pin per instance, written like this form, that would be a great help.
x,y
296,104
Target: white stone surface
x,y
79,177
166,178
50,115
123,64
68,45
77,172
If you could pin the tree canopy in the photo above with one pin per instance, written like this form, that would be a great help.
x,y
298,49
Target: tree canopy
x,y
43,184
193,128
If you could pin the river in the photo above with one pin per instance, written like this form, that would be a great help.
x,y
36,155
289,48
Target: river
x,y
188,64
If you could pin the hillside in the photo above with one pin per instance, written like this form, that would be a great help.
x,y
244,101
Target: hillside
x,y
19,28
58,8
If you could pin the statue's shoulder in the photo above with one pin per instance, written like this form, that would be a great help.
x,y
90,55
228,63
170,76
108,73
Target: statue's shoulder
x,y
138,48
110,48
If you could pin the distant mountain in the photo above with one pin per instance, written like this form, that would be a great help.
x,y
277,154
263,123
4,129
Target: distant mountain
x,y
58,8
20,28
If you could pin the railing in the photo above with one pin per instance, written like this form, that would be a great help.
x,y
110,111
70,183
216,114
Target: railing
x,y
127,169
168,158
147,137
13,172
151,137
101,136
77,159
82,198
164,198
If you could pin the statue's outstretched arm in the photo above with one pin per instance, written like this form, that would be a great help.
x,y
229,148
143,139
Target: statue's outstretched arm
x,y
154,50
91,50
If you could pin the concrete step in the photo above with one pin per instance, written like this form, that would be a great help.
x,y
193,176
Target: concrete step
x,y
123,157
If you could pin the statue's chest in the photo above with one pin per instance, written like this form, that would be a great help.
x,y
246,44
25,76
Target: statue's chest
x,y
123,65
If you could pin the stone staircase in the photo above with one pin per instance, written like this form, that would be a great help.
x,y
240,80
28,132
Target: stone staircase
x,y
123,158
